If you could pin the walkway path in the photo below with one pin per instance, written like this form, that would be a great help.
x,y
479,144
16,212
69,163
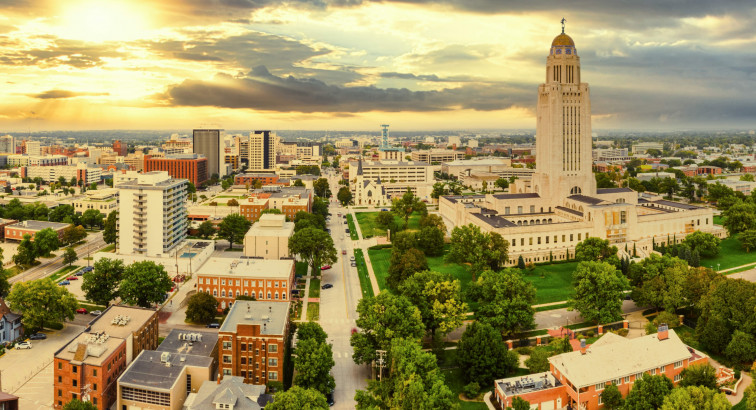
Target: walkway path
x,y
305,297
364,244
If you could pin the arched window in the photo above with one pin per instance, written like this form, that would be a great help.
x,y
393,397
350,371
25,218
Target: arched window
x,y
215,292
550,220
370,193
246,293
538,221
259,295
268,295
620,200
237,293
519,223
283,295
223,293
576,191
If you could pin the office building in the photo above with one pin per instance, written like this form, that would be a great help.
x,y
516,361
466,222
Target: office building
x,y
152,214
7,144
103,200
88,173
268,238
183,166
437,156
252,341
32,148
265,279
120,148
258,150
289,200
209,143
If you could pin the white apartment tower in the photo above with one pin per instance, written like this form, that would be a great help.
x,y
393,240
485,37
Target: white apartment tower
x,y
258,150
563,129
152,214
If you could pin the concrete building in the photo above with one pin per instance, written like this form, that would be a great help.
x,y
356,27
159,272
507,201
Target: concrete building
x,y
16,231
88,367
89,173
268,238
32,148
578,378
252,340
258,150
120,148
163,378
643,147
7,144
192,167
152,214
24,160
390,179
103,200
208,143
387,152
265,279
611,154
545,217
437,156
231,392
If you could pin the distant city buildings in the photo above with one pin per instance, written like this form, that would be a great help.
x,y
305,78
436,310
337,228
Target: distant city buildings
x,y
437,156
207,142
192,167
258,151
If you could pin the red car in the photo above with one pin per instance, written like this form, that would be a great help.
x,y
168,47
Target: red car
x,y
82,311
343,252
73,278
324,267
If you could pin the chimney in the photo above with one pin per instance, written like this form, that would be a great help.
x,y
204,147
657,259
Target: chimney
x,y
663,332
582,346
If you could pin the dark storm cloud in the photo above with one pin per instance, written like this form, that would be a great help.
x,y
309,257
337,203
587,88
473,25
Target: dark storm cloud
x,y
261,90
62,52
58,94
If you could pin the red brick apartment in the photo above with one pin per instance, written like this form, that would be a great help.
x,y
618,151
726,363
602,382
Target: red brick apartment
x,y
265,279
16,231
581,376
265,179
184,166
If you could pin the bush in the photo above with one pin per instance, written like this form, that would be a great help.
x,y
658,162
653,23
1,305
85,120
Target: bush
x,y
623,332
54,326
471,390
524,350
737,374
672,320
589,333
650,328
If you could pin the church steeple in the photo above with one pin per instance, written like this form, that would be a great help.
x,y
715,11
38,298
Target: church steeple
x,y
359,167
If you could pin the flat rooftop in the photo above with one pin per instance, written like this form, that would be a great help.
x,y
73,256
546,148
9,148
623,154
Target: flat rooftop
x,y
515,386
189,342
121,321
270,316
39,225
252,268
90,348
156,370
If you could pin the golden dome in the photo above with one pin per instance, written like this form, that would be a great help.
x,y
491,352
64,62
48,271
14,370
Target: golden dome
x,y
563,40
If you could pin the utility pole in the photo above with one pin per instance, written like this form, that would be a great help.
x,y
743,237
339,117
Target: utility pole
x,y
381,363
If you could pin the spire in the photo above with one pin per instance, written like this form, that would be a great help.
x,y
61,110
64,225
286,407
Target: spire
x,y
359,167
563,20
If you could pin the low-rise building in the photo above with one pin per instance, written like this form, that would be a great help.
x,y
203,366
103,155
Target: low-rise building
x,y
230,393
250,179
103,200
289,200
252,340
10,325
268,238
265,279
3,224
16,231
432,156
81,171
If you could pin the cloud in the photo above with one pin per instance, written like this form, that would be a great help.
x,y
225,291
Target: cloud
x,y
61,52
261,90
58,94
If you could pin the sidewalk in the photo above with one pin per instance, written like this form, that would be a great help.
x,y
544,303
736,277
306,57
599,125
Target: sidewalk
x,y
361,243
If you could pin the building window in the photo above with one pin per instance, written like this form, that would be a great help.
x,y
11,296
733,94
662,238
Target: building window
x,y
75,382
678,364
272,362
519,209
572,238
539,240
243,360
223,281
580,236
678,377
60,393
600,386
532,209
627,379
60,365
652,371
94,387
272,348
74,369
272,375
600,400
243,347
226,345
227,372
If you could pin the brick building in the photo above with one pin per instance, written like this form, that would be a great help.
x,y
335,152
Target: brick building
x,y
90,364
265,179
252,341
289,200
187,166
227,278
16,231
120,148
577,378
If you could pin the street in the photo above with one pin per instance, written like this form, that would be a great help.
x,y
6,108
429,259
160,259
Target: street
x,y
93,243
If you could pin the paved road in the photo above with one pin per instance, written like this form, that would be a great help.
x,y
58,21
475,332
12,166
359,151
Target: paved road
x,y
93,243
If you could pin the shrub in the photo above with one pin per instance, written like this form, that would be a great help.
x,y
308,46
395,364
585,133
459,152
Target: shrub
x,y
650,328
471,390
623,332
526,351
589,333
54,326
672,320
737,374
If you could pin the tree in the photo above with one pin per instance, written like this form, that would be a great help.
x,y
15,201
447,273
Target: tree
x,y
60,212
313,364
26,252
46,241
41,302
438,297
206,229
404,207
431,241
344,196
433,220
699,375
648,392
73,234
321,187
298,183
298,398
77,404
518,403
5,286
483,356
311,330
698,283
502,183
144,283
696,397
70,256
596,249
381,319
612,397
413,382
403,265
748,239
727,307
232,202
504,300
750,397
538,361
308,220
659,281
101,285
385,220
482,250
705,243
92,218
320,207
313,246
110,233
598,292
233,227
742,347
202,307
739,217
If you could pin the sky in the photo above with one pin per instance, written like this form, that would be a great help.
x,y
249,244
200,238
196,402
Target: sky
x,y
356,64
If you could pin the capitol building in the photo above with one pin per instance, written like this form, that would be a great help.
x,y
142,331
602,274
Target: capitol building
x,y
544,217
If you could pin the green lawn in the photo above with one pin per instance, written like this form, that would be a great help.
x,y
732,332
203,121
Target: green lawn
x,y
369,228
62,272
313,311
109,248
555,286
352,228
362,273
717,220
314,291
14,270
301,269
730,255
455,381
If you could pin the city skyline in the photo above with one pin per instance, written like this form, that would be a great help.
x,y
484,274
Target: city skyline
x,y
343,65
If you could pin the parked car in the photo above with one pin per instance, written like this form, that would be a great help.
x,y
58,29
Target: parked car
x,y
64,283
87,269
213,325
325,267
23,345
38,336
96,312
80,272
384,210
329,399
354,264
326,286
343,252
351,258
72,278
346,230
83,311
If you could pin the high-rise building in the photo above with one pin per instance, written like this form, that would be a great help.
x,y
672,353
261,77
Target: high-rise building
x,y
208,143
7,144
258,150
33,148
120,148
152,214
